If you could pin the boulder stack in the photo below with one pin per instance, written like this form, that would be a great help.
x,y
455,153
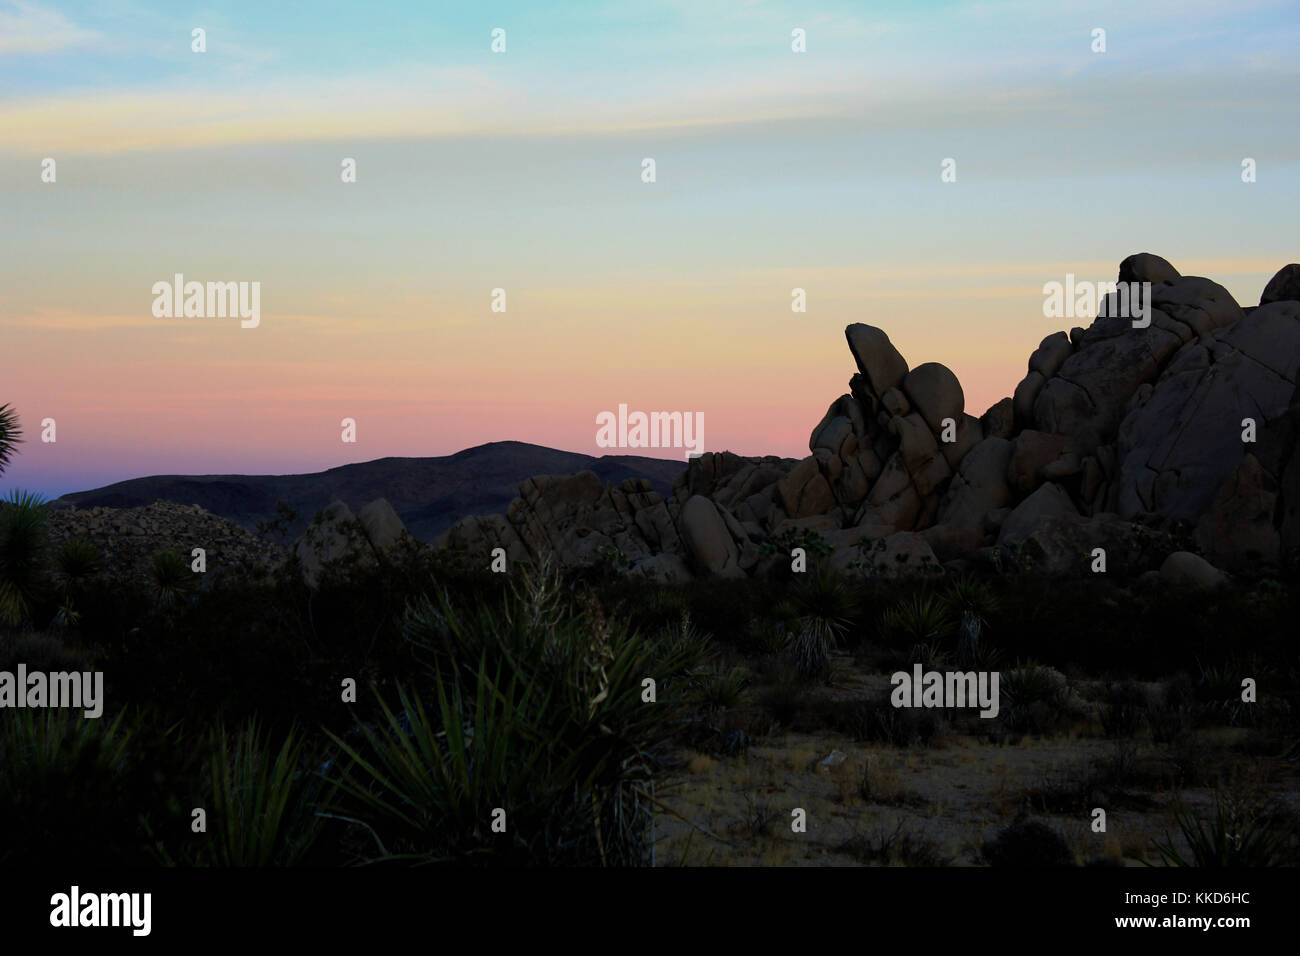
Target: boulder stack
x,y
1190,422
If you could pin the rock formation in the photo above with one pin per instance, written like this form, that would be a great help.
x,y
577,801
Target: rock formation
x,y
127,539
1190,421
369,536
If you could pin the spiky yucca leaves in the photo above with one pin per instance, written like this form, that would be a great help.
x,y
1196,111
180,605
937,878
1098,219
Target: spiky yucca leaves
x,y
170,577
916,627
75,563
1235,836
61,788
824,609
929,656
1033,698
547,675
971,602
262,801
23,545
428,785
723,689
918,619
10,435
685,640
519,632
968,593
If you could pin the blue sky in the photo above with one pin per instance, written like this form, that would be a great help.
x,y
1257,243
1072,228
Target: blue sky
x,y
476,170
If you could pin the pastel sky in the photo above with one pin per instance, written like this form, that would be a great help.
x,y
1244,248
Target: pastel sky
x,y
522,170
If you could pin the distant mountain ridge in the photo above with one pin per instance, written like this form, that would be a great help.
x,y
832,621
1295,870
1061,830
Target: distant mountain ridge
x,y
428,494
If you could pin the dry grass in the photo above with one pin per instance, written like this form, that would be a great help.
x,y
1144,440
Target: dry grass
x,y
937,804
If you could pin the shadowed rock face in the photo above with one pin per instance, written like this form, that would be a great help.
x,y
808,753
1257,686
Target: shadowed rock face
x,y
1191,419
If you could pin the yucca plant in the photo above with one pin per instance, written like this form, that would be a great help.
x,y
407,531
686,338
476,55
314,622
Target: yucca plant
x,y
969,593
824,609
1033,697
75,563
62,786
549,675
914,620
1218,691
262,800
170,577
929,656
684,641
971,602
430,784
517,633
1234,836
23,545
10,435
723,689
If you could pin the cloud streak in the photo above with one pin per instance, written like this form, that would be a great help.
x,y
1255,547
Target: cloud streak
x,y
26,29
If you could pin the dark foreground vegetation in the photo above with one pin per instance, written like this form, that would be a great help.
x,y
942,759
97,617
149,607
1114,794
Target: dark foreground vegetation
x,y
526,692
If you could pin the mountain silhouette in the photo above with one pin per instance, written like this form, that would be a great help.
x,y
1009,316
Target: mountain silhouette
x,y
428,494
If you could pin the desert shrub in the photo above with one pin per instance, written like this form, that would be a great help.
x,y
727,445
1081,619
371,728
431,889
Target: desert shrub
x,y
1034,699
40,652
896,846
873,721
780,545
1097,782
652,608
74,789
724,606
765,636
1028,843
1124,710
880,783
760,817
1169,725
1171,718
785,701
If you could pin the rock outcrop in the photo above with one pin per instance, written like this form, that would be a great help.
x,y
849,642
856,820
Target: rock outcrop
x,y
336,534
127,539
1189,422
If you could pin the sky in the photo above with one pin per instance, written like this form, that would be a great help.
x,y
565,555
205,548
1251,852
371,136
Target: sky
x,y
522,170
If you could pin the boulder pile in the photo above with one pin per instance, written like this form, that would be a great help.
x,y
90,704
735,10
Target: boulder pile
x,y
1189,422
128,539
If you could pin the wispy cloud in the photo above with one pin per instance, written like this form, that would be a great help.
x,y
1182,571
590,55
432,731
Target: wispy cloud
x,y
26,28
